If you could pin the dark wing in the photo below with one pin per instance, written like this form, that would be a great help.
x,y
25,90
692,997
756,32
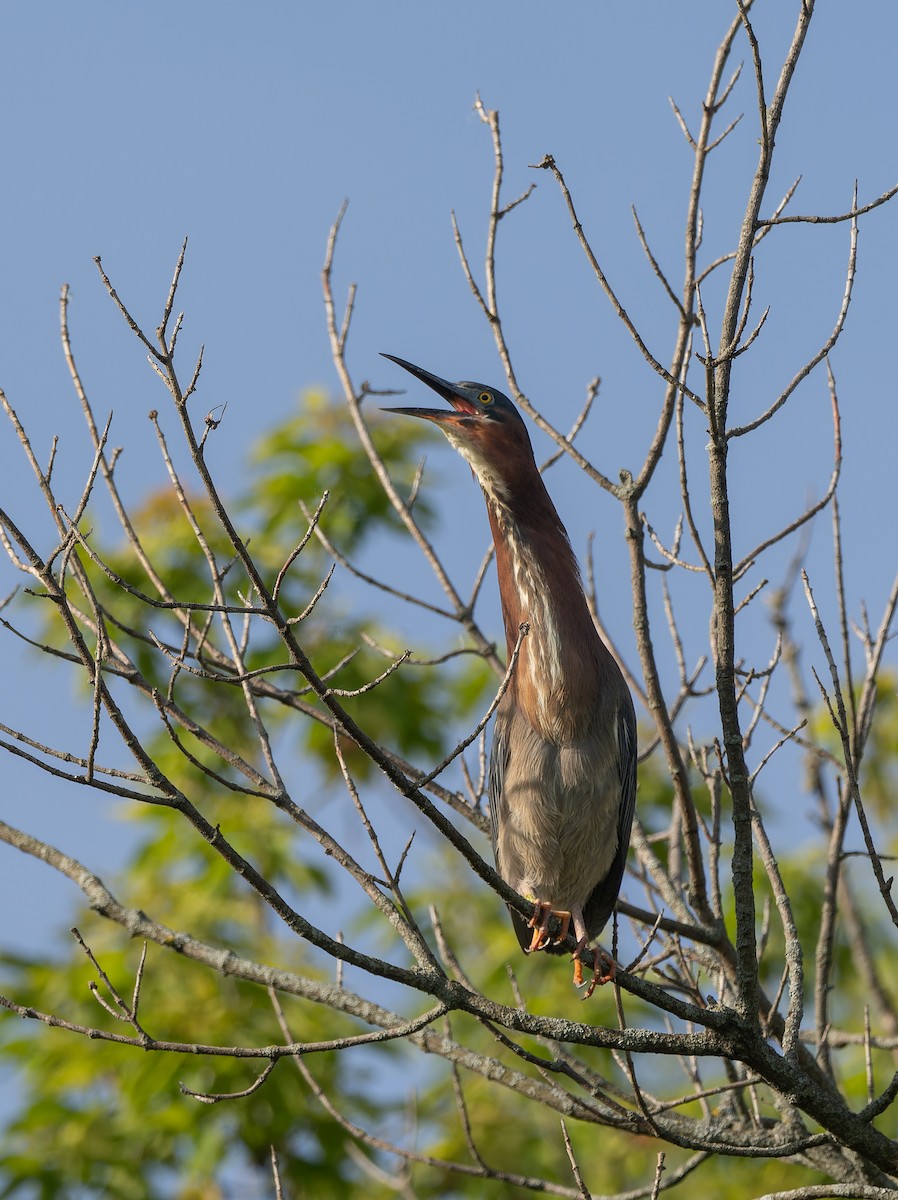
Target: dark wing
x,y
498,763
499,810
600,905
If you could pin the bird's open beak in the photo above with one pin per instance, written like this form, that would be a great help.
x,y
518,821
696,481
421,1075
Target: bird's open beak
x,y
449,391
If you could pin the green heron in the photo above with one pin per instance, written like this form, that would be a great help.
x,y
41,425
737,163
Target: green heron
x,y
562,779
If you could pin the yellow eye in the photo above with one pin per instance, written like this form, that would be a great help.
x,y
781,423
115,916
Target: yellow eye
x,y
485,398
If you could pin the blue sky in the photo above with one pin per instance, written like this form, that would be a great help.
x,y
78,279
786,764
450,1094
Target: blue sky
x,y
126,127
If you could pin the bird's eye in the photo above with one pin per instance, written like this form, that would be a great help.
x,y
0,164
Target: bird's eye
x,y
485,397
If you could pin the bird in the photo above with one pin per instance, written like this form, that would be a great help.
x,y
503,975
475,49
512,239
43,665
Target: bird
x,y
562,774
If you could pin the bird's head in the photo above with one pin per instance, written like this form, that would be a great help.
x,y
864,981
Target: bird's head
x,y
483,425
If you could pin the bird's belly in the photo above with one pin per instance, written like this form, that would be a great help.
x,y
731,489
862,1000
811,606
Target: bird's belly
x,y
558,836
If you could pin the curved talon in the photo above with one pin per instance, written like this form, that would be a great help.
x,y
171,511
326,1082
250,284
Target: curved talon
x,y
599,977
538,941
539,923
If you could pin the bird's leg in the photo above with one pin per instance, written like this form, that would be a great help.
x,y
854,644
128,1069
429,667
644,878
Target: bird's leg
x,y
539,923
603,965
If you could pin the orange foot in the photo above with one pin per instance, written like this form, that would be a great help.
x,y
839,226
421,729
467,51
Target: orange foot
x,y
539,923
600,976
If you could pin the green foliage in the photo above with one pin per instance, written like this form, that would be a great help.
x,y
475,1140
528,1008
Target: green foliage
x,y
317,451
879,768
293,464
111,1119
